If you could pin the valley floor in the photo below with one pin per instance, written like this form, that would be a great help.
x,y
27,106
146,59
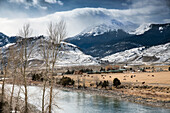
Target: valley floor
x,y
149,78
144,88
151,89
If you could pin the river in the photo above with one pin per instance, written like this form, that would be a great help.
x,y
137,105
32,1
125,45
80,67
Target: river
x,y
74,102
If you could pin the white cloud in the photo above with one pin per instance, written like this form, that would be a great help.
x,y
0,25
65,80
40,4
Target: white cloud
x,y
76,20
60,2
34,3
54,1
79,19
17,1
51,1
166,20
43,7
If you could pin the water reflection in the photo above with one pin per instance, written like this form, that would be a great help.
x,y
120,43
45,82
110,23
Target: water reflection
x,y
86,103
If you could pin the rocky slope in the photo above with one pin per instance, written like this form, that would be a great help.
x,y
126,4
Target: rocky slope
x,y
154,54
114,41
4,40
69,55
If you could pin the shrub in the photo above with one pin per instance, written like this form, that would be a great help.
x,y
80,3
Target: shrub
x,y
66,81
68,72
105,84
72,82
37,77
100,83
116,82
102,69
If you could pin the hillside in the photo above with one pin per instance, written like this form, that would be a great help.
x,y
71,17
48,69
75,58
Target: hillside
x,y
111,42
154,54
69,55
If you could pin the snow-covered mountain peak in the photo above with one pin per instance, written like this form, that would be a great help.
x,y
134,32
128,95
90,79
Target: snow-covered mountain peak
x,y
99,29
2,35
142,28
3,39
111,25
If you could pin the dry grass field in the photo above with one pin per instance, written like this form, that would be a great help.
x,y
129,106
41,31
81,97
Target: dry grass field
x,y
156,78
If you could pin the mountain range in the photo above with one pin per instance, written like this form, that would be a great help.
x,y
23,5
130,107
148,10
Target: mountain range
x,y
70,55
118,40
4,40
109,42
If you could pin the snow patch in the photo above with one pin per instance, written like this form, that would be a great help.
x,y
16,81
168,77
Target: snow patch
x,y
70,55
142,29
8,45
160,28
109,25
157,54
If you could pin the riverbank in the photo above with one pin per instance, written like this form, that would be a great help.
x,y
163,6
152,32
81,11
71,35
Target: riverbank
x,y
147,88
122,94
150,89
16,105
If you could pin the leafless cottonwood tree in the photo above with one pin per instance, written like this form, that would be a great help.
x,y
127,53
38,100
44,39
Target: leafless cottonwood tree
x,y
26,48
9,63
78,81
12,57
15,69
84,82
1,60
56,33
4,64
96,79
5,61
45,53
18,83
14,64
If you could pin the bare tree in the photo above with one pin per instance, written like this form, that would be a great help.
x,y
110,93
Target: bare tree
x,y
3,80
4,64
56,33
14,63
78,81
17,108
45,53
25,51
96,79
84,82
9,63
11,57
1,58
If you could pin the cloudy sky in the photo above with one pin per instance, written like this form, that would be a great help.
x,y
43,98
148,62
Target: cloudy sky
x,y
79,14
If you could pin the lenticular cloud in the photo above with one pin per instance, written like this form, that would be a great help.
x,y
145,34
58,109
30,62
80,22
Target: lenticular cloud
x,y
76,20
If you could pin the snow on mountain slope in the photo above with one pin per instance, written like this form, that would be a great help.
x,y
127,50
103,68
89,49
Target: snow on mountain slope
x,y
8,45
141,29
3,39
124,56
156,54
70,55
111,25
